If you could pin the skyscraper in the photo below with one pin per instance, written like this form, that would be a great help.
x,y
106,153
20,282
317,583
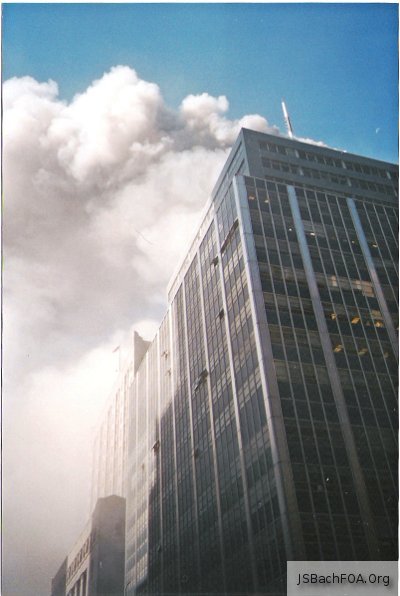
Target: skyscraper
x,y
110,442
263,415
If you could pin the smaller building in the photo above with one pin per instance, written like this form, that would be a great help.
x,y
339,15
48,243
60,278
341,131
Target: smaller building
x,y
95,565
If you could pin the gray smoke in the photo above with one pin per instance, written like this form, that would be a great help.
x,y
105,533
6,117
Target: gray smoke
x,y
101,195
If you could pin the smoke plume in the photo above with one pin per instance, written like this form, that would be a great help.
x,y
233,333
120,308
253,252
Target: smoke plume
x,y
101,195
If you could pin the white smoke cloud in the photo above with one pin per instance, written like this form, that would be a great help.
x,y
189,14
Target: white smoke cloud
x,y
101,195
312,142
203,116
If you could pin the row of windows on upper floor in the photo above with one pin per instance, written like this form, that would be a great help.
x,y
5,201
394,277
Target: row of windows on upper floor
x,y
316,209
331,177
81,556
328,161
275,183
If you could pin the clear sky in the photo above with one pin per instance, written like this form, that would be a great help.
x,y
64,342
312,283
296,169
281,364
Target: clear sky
x,y
334,64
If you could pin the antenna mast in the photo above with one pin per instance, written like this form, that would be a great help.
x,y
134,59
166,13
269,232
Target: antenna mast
x,y
287,121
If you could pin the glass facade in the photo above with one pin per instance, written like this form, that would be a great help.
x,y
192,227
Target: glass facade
x,y
109,452
263,416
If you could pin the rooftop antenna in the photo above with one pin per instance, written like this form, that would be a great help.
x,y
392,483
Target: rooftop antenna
x,y
287,121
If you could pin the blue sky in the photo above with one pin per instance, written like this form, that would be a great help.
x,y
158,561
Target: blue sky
x,y
335,64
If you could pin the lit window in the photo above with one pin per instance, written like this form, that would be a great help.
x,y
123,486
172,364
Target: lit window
x,y
338,348
362,351
379,323
355,320
333,316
